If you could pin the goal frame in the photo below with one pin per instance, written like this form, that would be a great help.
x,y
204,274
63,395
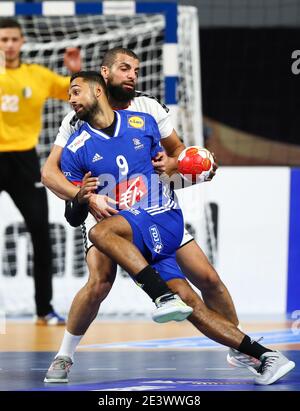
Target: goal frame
x,y
71,8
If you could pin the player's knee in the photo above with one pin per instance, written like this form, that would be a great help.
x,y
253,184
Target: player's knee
x,y
209,280
98,234
93,233
102,275
98,289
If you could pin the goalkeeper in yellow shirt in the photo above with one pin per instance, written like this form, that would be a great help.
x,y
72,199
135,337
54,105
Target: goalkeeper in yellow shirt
x,y
24,89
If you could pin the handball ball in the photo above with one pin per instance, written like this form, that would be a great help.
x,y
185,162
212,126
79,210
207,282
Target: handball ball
x,y
195,164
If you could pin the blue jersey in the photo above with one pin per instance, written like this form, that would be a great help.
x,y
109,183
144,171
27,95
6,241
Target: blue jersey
x,y
122,162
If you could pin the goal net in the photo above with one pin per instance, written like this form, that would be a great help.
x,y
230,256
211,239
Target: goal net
x,y
46,40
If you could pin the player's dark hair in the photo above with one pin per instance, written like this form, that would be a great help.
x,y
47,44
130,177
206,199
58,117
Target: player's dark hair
x,y
10,23
111,55
91,77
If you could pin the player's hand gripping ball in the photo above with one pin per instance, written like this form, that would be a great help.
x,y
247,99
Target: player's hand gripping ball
x,y
195,164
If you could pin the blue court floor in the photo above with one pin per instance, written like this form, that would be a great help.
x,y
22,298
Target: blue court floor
x,y
177,364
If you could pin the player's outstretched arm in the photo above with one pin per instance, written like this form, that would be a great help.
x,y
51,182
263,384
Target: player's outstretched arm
x,y
53,178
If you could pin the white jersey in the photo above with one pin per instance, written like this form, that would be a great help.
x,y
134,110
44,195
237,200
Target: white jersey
x,y
141,102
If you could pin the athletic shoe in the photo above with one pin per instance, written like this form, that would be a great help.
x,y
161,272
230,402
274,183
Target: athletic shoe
x,y
274,365
170,307
59,369
50,319
238,359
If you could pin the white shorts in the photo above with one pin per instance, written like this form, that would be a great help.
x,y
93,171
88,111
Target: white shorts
x,y
91,221
187,237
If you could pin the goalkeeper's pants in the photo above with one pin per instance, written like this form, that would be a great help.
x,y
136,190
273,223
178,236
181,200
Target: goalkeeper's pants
x,y
20,178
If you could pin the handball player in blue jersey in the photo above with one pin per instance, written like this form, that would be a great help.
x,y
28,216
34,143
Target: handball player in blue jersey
x,y
117,147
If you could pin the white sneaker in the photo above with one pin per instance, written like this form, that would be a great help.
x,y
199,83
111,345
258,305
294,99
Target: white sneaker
x,y
274,365
238,359
59,369
170,307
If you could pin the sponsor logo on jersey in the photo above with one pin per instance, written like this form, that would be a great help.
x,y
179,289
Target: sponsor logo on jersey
x,y
67,173
156,240
97,157
136,122
137,143
129,192
79,141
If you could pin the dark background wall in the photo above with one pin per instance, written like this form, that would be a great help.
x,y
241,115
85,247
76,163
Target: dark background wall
x,y
248,82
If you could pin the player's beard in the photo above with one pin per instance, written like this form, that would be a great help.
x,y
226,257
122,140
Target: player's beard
x,y
118,93
89,112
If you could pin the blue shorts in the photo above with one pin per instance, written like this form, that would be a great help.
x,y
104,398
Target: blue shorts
x,y
157,237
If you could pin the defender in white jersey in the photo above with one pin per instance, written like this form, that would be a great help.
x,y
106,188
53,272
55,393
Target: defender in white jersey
x,y
216,316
